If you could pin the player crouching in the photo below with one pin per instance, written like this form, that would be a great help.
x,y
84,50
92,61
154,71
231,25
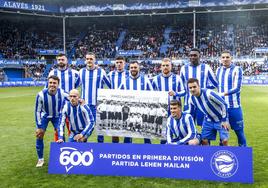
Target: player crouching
x,y
180,127
80,117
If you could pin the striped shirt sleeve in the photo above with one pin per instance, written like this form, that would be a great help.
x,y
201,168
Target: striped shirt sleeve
x,y
168,131
220,101
38,110
181,89
106,79
237,82
62,121
212,79
90,121
190,129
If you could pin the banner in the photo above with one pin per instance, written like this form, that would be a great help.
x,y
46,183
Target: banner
x,y
170,4
49,52
255,80
22,83
28,6
127,113
20,61
215,163
130,53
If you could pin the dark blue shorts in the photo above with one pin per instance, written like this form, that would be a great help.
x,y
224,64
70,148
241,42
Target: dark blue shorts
x,y
210,129
45,121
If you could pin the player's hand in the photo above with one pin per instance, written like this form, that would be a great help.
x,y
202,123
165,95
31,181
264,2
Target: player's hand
x,y
39,133
78,137
60,141
171,93
225,125
225,94
82,101
83,139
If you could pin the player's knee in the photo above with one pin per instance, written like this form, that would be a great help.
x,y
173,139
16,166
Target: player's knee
x,y
225,142
193,142
39,133
205,142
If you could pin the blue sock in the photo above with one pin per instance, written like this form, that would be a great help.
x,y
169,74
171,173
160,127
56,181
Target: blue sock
x,y
147,141
127,140
220,143
40,148
163,141
100,138
241,137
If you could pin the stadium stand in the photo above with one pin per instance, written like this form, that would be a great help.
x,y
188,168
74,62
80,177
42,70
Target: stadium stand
x,y
153,40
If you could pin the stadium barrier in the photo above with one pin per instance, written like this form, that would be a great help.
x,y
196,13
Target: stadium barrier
x,y
255,80
22,83
215,163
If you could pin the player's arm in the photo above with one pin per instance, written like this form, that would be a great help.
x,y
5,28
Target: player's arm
x,y
148,84
106,79
38,111
182,75
220,101
217,99
237,80
61,124
90,122
192,107
169,133
122,86
77,80
180,90
154,83
191,131
212,79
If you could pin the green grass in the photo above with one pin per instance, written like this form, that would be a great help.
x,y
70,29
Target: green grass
x,y
18,156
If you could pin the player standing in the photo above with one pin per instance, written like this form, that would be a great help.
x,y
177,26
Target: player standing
x,y
167,81
203,73
92,78
117,77
136,81
48,106
229,78
69,79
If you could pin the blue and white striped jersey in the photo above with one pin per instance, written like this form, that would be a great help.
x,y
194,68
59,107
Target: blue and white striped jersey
x,y
49,106
117,78
91,81
211,104
140,83
202,72
80,118
180,131
69,78
230,81
169,83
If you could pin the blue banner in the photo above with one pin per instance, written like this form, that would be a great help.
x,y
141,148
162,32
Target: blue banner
x,y
20,62
261,50
255,80
216,163
28,6
171,4
22,83
129,52
49,52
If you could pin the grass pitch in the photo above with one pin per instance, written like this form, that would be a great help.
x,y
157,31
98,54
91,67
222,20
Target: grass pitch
x,y
18,156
